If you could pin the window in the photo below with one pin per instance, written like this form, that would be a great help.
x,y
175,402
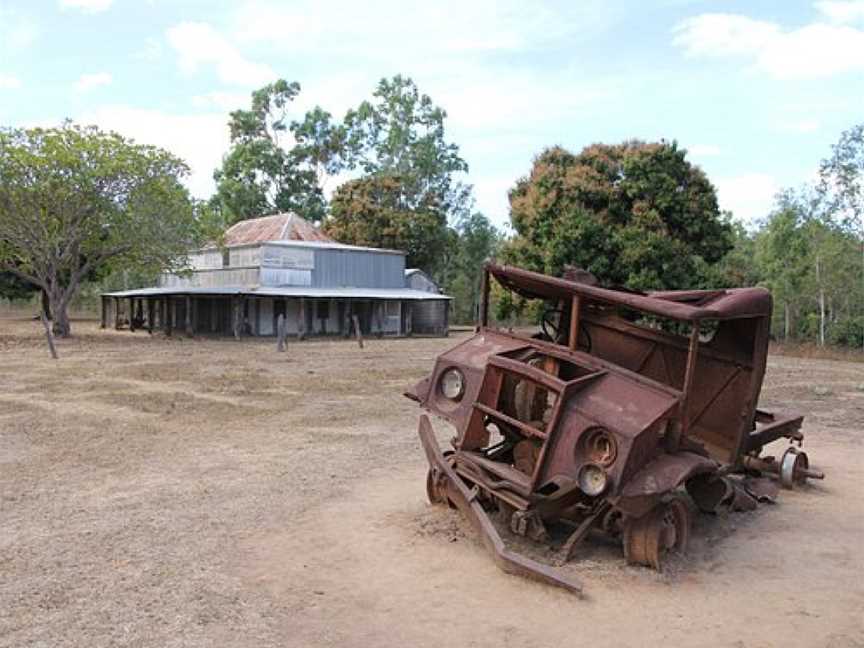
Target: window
x,y
226,258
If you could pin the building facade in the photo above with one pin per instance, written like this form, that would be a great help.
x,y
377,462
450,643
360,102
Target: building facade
x,y
282,265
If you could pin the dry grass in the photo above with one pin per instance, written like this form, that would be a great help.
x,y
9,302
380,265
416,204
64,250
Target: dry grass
x,y
175,492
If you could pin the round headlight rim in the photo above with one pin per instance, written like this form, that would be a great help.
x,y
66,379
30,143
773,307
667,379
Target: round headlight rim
x,y
581,479
592,450
442,381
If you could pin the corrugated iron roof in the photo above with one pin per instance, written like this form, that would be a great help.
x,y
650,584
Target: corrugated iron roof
x,y
278,227
286,291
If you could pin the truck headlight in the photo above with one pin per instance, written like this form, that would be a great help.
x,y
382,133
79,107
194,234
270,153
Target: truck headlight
x,y
593,480
452,384
600,447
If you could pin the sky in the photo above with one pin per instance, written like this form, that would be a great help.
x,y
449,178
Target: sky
x,y
755,91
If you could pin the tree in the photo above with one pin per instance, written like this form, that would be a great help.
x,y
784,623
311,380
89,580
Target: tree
x,y
261,174
811,264
401,133
74,200
372,211
475,241
634,214
842,185
409,189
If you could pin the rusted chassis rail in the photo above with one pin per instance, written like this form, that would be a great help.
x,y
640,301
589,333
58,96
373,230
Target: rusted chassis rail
x,y
447,481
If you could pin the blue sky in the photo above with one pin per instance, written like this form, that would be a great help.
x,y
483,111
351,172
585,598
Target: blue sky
x,y
756,91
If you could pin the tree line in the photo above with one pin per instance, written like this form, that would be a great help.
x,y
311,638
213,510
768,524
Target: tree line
x,y
78,205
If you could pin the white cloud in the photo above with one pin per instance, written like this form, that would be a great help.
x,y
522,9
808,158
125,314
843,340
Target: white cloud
x,y
89,81
200,44
227,101
9,82
749,196
813,51
17,31
703,150
87,6
199,139
384,27
152,50
842,12
799,125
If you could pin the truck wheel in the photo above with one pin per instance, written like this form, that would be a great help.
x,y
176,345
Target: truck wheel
x,y
665,529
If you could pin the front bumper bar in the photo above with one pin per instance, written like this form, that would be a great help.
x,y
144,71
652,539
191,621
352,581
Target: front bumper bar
x,y
465,499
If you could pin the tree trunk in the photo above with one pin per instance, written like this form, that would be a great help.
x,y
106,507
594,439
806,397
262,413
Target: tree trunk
x,y
58,301
786,322
46,305
821,303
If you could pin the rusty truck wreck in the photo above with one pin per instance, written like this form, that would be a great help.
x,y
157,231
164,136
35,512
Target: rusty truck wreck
x,y
622,403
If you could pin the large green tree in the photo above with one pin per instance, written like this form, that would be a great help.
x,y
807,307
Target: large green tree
x,y
410,188
842,187
811,263
275,164
74,200
373,211
635,214
400,133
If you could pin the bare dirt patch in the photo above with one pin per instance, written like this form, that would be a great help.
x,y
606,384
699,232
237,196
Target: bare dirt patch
x,y
168,492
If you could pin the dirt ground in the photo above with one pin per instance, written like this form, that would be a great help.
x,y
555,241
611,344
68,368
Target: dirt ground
x,y
175,492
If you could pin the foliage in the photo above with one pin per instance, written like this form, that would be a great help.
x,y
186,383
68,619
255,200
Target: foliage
x,y
812,266
401,133
13,287
634,214
75,201
260,175
842,179
409,191
475,240
372,211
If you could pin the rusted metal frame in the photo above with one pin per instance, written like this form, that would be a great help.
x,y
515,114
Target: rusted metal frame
x,y
786,427
490,390
499,489
541,456
568,549
660,306
666,339
689,377
509,420
580,383
644,359
573,340
760,350
466,501
561,401
698,416
497,474
527,371
580,357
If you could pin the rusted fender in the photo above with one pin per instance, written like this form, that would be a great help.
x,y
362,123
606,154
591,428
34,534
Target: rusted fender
x,y
465,500
665,473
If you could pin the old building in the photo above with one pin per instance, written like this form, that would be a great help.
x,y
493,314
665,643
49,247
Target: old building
x,y
283,265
